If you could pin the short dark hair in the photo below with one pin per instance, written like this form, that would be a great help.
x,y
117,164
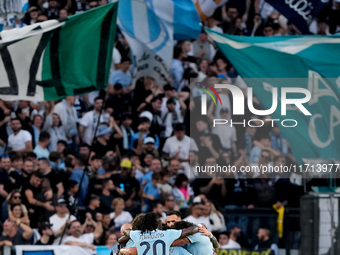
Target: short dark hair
x,y
44,136
155,98
182,224
45,160
177,52
179,127
98,98
143,120
156,176
62,142
84,145
125,59
81,159
15,156
171,101
126,116
54,156
38,174
96,156
71,184
174,212
31,154
118,86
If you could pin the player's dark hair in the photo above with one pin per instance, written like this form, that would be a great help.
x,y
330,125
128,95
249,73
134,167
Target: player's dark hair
x,y
174,212
150,222
137,222
182,225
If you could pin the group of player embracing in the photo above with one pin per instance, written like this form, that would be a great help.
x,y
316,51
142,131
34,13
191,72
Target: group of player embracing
x,y
147,236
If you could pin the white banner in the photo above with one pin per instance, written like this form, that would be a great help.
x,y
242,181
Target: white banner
x,y
148,28
58,250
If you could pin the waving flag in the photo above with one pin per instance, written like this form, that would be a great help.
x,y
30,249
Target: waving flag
x,y
150,27
300,13
308,62
206,8
54,59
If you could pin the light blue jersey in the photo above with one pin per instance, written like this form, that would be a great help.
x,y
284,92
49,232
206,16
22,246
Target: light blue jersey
x,y
155,243
179,251
200,245
130,244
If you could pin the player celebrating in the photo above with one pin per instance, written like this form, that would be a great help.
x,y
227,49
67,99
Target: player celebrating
x,y
199,243
150,240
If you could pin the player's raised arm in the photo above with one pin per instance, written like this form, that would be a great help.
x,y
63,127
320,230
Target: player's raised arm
x,y
207,233
189,231
126,233
123,240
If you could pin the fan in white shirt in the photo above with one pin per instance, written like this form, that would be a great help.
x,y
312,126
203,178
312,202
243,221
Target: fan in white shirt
x,y
226,242
196,216
20,140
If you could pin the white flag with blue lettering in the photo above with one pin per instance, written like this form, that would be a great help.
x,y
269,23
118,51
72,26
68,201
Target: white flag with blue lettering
x,y
148,27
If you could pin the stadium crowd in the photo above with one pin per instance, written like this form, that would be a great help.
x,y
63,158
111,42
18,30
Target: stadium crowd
x,y
63,175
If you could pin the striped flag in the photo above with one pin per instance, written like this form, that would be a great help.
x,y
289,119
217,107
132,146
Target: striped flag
x,y
55,58
150,27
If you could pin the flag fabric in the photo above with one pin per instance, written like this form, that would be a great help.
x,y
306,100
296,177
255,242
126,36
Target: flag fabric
x,y
150,27
206,8
186,20
300,13
308,62
55,58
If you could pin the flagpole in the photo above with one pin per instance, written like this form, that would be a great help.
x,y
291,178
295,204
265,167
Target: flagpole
x,y
85,170
254,29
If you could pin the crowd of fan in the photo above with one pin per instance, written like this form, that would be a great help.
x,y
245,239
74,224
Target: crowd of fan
x,y
144,153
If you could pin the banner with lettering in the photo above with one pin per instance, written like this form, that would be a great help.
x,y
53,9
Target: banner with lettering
x,y
271,66
301,12
244,252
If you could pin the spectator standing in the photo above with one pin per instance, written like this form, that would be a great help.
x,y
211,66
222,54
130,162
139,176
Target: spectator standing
x,y
196,216
41,148
20,140
69,117
122,76
119,216
177,69
54,127
178,146
78,171
182,192
106,196
88,123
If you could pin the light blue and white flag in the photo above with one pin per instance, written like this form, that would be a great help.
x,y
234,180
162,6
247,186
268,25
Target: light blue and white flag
x,y
309,62
150,28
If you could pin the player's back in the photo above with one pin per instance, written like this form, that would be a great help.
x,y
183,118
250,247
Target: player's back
x,y
157,242
200,245
179,251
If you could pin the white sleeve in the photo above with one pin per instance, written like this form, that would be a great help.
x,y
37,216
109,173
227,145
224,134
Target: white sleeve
x,y
116,57
27,137
85,120
212,52
166,148
193,145
191,52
